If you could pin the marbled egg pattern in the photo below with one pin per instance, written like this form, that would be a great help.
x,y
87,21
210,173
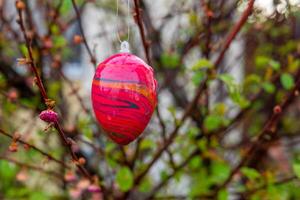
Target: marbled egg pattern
x,y
124,96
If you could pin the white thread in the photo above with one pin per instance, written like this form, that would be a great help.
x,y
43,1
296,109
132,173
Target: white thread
x,y
128,28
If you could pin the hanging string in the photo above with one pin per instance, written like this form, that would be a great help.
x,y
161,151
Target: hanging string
x,y
124,44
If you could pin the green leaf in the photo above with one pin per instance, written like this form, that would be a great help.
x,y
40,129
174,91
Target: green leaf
x,y
202,144
193,18
262,61
198,77
294,65
124,179
7,170
163,175
234,90
296,168
252,78
223,195
252,83
66,6
109,147
84,125
37,196
212,122
54,29
220,171
23,49
227,79
88,132
274,64
195,163
59,41
147,144
202,64
287,81
192,132
250,173
145,186
2,80
112,163
170,60
268,87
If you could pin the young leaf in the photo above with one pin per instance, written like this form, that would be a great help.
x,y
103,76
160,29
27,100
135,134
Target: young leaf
x,y
212,122
274,64
202,64
124,179
287,81
170,60
296,168
198,77
268,87
147,144
223,195
250,173
261,61
234,90
145,186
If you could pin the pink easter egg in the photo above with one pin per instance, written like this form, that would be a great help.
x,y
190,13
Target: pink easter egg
x,y
124,96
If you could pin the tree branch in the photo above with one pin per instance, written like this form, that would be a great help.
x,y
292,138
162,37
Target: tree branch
x,y
189,109
43,92
93,59
269,128
36,168
50,157
138,18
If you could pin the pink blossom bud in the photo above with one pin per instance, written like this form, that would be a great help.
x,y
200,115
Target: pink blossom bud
x,y
48,116
94,188
70,176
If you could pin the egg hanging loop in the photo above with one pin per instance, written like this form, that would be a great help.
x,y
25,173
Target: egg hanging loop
x,y
125,48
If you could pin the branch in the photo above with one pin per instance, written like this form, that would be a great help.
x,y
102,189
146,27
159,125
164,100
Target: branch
x,y
74,91
190,108
29,48
172,136
168,178
236,29
50,157
20,7
78,16
36,168
279,182
269,128
223,130
138,18
208,32
181,197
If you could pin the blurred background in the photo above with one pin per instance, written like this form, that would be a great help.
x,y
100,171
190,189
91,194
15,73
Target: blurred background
x,y
227,121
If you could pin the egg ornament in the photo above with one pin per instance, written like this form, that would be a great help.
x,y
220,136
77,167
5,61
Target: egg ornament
x,y
124,96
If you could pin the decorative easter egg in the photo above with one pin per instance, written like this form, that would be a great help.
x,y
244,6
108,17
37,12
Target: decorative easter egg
x,y
124,96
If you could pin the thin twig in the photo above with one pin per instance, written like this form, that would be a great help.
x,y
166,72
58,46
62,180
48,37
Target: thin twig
x,y
165,180
199,91
44,94
269,128
279,182
77,11
236,29
75,92
28,166
138,18
50,157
